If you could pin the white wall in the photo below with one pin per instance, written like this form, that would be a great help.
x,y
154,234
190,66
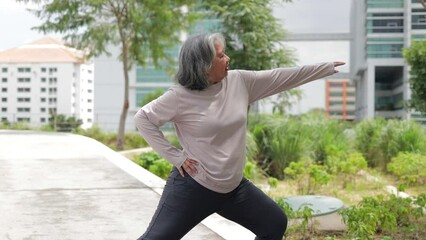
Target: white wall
x,y
109,94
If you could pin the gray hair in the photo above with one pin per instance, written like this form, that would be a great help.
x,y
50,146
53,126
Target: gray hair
x,y
195,60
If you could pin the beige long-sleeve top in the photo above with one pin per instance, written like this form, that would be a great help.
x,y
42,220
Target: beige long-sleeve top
x,y
211,124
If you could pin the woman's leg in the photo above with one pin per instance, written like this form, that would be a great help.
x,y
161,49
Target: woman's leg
x,y
183,204
254,210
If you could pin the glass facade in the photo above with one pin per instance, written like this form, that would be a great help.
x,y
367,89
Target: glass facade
x,y
388,92
380,24
418,19
418,37
389,103
385,22
385,3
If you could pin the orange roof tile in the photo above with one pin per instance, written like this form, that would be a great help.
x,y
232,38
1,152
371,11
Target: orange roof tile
x,y
43,50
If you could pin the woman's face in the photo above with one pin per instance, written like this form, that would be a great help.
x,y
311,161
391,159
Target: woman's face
x,y
220,65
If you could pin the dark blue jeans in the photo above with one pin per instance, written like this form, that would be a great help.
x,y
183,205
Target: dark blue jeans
x,y
185,203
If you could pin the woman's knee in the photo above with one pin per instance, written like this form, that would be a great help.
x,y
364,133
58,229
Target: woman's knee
x,y
278,226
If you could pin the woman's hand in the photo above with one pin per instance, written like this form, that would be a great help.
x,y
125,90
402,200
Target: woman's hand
x,y
190,166
336,64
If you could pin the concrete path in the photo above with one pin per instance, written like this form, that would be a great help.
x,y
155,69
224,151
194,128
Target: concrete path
x,y
65,186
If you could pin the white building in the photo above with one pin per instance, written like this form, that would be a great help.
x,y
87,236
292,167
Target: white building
x,y
45,77
380,30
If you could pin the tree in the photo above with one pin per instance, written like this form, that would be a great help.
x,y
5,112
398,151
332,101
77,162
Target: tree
x,y
254,39
142,29
423,3
253,35
415,55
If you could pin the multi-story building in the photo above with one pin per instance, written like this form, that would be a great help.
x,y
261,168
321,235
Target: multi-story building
x,y
43,78
381,29
340,99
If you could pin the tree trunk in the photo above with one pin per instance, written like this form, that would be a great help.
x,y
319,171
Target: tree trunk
x,y
423,3
123,116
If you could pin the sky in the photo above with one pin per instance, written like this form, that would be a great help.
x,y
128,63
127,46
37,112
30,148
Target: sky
x,y
15,25
300,16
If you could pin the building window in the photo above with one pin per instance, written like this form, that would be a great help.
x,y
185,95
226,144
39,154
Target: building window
x,y
4,109
43,89
24,90
23,99
43,120
20,109
89,81
53,70
336,84
42,109
4,119
89,110
4,99
52,90
23,80
52,100
4,80
384,50
3,89
418,19
22,70
23,119
89,100
43,79
52,110
4,70
385,4
43,69
89,90
89,120
43,99
52,80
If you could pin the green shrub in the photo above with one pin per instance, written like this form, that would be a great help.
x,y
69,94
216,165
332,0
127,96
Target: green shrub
x,y
250,171
401,136
14,126
288,144
380,140
409,167
327,137
273,182
387,215
309,176
346,166
368,139
153,162
306,226
134,140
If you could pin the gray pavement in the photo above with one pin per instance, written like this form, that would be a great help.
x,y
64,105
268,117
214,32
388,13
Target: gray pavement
x,y
65,186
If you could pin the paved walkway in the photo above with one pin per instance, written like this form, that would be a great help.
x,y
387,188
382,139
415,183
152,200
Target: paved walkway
x,y
65,186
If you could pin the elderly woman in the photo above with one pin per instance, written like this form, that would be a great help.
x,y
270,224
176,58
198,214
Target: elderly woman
x,y
208,108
